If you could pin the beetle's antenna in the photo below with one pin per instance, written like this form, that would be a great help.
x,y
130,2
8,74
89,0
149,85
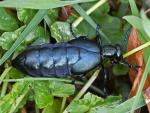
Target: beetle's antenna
x,y
98,37
71,30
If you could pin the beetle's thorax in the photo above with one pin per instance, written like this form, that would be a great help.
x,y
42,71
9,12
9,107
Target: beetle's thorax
x,y
112,52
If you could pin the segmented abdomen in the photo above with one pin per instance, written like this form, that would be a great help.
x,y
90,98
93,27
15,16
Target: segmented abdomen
x,y
58,60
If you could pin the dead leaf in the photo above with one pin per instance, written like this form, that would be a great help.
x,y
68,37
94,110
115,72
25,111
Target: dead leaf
x,y
136,59
65,12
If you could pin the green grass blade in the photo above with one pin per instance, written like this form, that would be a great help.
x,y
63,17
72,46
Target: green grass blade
x,y
126,106
139,92
134,8
89,20
34,22
145,23
39,4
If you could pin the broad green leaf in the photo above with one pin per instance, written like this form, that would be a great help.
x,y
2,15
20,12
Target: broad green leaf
x,y
125,107
15,74
61,32
145,23
102,109
112,101
39,4
119,70
123,8
106,22
125,1
16,98
137,23
8,38
42,94
99,15
89,20
7,22
25,15
90,103
55,108
52,16
134,21
61,89
32,25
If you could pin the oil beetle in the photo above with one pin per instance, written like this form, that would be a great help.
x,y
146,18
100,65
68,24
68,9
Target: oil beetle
x,y
74,57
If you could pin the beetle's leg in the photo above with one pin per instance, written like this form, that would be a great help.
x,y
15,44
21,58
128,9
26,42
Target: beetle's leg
x,y
98,37
105,79
114,61
71,30
126,63
129,65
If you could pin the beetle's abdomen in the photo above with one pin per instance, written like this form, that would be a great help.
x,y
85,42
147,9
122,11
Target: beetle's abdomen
x,y
57,60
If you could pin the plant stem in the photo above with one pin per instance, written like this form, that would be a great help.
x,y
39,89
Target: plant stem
x,y
4,74
136,49
36,109
63,104
4,87
87,85
33,79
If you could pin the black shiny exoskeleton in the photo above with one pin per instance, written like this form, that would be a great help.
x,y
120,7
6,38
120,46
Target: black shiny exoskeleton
x,y
75,57
49,60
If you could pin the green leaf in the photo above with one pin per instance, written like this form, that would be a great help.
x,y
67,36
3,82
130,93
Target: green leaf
x,y
102,109
136,22
32,25
112,101
8,38
38,4
15,74
42,94
61,32
55,108
134,8
145,23
7,22
61,89
16,98
89,20
99,17
106,22
120,70
109,103
90,103
52,16
25,15
125,107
